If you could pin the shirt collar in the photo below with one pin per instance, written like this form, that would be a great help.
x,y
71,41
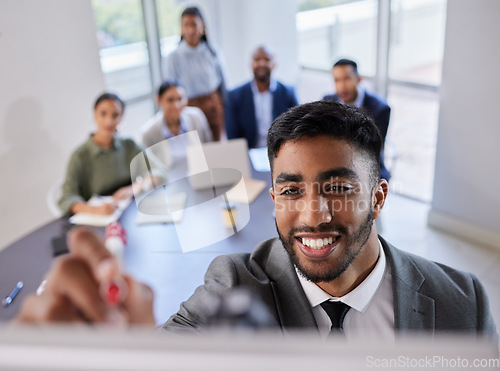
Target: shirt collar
x,y
95,149
272,86
360,98
359,298
358,102
166,131
184,45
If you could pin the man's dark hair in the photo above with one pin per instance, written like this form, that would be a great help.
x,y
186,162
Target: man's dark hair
x,y
328,118
347,62
109,96
167,84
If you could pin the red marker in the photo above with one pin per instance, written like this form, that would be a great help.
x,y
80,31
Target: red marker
x,y
115,240
115,291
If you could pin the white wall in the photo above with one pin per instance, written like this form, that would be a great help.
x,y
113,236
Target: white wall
x,y
467,177
237,27
49,77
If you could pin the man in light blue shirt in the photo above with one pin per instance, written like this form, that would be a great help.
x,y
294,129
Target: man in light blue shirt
x,y
252,107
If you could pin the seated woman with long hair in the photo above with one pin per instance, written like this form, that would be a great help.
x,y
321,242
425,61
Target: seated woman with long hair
x,y
101,165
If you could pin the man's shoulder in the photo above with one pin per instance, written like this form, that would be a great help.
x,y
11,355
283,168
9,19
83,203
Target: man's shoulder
x,y
244,88
284,87
412,268
261,263
373,100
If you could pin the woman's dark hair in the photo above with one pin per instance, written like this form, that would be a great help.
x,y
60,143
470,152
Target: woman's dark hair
x,y
167,84
331,119
109,96
194,11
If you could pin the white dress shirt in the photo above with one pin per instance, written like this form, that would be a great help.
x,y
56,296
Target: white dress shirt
x,y
372,309
358,102
263,103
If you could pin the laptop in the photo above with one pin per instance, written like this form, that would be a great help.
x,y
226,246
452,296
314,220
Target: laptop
x,y
218,164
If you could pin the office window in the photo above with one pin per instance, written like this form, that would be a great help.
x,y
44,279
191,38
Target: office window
x,y
328,30
331,29
169,15
123,48
415,60
417,40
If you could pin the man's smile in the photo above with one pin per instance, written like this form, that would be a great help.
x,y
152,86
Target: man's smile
x,y
318,245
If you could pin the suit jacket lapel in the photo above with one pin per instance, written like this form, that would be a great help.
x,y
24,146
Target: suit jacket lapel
x,y
412,309
251,120
292,306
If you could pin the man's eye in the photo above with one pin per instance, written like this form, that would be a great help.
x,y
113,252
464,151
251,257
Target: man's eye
x,y
290,192
337,189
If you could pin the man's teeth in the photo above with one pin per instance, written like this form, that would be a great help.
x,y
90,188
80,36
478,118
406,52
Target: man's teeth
x,y
317,243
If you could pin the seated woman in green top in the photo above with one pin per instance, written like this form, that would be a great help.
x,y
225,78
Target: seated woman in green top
x,y
101,165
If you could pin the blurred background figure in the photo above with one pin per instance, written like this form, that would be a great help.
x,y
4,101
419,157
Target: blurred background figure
x,y
350,91
252,107
174,118
101,165
197,67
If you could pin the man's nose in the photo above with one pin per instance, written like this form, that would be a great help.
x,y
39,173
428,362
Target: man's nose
x,y
316,211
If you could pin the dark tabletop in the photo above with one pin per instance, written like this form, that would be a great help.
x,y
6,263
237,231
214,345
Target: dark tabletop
x,y
152,255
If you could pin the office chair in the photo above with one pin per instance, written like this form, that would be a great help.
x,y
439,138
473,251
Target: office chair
x,y
52,198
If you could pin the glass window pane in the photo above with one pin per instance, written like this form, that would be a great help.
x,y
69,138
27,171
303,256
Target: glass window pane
x,y
123,48
169,15
348,30
410,147
417,40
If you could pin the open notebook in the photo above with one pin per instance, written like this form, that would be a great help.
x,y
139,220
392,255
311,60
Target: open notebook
x,y
100,220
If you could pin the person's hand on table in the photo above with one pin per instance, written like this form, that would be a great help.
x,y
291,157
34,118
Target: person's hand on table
x,y
107,208
104,209
123,193
71,292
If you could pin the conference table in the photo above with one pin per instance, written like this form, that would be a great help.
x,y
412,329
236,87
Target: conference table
x,y
152,255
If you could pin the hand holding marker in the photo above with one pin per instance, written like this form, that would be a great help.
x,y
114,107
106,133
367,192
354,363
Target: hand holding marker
x,y
115,290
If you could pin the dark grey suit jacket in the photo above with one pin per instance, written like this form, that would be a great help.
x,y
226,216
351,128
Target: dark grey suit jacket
x,y
427,296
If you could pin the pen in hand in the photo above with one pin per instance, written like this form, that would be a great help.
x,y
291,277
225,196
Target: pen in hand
x,y
6,302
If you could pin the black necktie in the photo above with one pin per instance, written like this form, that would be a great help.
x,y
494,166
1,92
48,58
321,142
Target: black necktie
x,y
336,310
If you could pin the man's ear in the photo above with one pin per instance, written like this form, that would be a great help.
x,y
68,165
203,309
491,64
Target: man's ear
x,y
271,192
378,198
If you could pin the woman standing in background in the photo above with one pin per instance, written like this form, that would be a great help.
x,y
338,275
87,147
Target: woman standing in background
x,y
197,67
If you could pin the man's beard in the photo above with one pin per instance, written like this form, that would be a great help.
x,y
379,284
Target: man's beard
x,y
263,76
353,245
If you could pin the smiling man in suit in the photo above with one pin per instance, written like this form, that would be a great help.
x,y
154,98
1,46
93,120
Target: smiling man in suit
x,y
252,107
329,270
